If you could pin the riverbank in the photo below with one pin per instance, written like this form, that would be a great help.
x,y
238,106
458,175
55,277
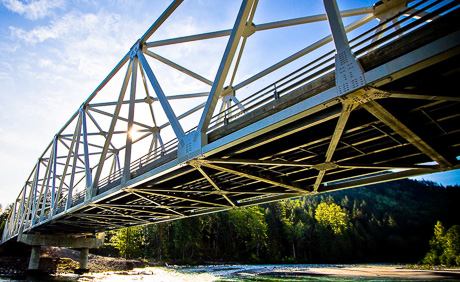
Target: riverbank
x,y
58,261
275,272
61,262
364,271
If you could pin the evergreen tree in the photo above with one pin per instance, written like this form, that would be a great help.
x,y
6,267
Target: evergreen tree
x,y
389,222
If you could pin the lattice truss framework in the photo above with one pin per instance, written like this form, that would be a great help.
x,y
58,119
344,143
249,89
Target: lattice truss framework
x,y
112,139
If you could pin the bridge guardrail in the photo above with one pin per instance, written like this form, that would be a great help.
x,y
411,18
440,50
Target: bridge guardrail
x,y
416,15
362,43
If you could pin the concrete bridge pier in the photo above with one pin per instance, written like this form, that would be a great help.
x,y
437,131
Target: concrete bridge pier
x,y
34,257
84,258
83,262
82,243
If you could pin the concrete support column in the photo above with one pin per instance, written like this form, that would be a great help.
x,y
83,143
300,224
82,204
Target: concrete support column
x,y
84,258
34,257
84,244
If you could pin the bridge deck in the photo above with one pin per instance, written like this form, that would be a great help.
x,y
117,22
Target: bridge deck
x,y
282,156
304,140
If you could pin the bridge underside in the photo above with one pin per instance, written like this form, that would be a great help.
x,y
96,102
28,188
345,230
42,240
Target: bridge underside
x,y
400,126
391,113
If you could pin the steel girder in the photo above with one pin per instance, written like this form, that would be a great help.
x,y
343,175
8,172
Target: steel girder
x,y
307,132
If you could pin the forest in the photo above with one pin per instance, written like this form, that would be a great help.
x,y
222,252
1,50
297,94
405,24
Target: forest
x,y
394,222
403,221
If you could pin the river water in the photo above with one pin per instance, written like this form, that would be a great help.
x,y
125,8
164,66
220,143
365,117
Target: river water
x,y
265,273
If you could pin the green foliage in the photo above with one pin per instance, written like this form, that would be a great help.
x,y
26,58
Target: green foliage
x,y
332,216
4,217
444,246
390,222
250,226
128,241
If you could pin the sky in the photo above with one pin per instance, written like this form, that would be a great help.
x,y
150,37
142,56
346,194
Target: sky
x,y
54,53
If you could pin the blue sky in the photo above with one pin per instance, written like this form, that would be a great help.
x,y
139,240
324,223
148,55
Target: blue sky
x,y
54,53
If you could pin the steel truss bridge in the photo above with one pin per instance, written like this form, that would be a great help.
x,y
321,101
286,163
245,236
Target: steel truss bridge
x,y
373,101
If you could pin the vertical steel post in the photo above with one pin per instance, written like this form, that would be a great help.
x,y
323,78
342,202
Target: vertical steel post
x,y
74,163
348,73
25,218
172,118
88,175
225,64
129,138
53,190
335,23
66,166
46,183
34,193
5,231
21,210
90,192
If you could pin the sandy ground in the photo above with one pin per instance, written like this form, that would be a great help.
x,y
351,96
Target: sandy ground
x,y
63,261
148,274
372,271
213,273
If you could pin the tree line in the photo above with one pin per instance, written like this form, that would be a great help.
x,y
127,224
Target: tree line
x,y
390,222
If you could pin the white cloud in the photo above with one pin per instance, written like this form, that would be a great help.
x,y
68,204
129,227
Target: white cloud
x,y
5,77
33,9
72,24
59,61
5,47
83,41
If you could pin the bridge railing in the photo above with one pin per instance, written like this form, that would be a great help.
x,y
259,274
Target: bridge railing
x,y
388,29
58,183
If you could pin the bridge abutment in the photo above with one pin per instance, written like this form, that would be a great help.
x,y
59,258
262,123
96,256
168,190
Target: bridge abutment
x,y
82,243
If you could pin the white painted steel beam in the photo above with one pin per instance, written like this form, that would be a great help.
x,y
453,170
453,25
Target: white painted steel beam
x,y
119,117
155,203
66,166
161,19
257,178
424,97
397,126
75,157
88,174
348,72
315,18
302,53
161,97
33,192
209,179
225,64
46,180
338,131
335,22
129,138
259,27
32,204
154,99
248,31
178,67
152,192
97,175
257,162
374,179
